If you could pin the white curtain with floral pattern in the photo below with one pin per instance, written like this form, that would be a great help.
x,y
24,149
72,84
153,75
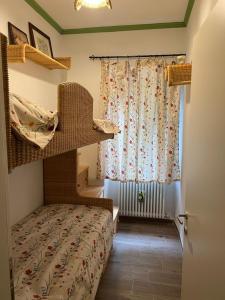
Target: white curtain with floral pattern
x,y
137,98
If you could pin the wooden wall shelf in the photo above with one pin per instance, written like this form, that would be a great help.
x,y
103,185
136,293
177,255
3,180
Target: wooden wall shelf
x,y
19,54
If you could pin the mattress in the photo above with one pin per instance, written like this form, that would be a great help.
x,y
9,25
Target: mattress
x,y
59,252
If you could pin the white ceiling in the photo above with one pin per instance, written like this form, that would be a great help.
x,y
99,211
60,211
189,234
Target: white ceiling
x,y
124,12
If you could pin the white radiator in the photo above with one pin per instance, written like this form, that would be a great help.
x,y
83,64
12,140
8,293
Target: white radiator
x,y
142,199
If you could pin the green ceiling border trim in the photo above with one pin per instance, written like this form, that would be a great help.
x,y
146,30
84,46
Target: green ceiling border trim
x,y
63,31
44,15
188,11
123,28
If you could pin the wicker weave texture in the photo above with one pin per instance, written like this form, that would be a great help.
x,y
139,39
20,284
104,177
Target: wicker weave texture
x,y
179,74
75,128
75,121
60,182
6,98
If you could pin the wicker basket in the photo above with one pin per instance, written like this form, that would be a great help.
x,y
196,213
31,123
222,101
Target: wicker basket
x,y
178,74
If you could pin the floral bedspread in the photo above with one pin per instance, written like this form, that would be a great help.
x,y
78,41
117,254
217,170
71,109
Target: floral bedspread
x,y
59,252
106,126
31,122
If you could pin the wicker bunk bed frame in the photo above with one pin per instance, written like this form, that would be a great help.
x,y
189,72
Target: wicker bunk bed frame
x,y
75,130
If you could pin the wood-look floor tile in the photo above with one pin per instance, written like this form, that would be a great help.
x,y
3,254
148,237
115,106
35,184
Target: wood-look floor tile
x,y
165,298
141,287
167,278
145,264
174,265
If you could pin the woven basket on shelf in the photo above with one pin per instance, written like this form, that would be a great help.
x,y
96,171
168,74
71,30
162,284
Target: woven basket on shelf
x,y
178,74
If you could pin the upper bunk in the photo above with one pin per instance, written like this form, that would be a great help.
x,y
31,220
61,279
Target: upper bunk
x,y
75,129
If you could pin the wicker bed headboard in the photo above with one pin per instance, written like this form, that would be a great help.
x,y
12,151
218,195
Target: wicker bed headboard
x,y
76,130
75,106
6,94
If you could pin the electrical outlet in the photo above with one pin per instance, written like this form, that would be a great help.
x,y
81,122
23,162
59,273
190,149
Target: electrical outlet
x,y
141,197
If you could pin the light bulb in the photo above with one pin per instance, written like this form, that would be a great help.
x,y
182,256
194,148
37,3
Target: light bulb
x,y
92,4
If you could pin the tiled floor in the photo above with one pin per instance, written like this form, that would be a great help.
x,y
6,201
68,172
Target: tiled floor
x,y
145,264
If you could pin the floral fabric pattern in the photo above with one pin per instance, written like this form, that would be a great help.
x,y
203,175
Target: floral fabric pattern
x,y
59,252
105,126
137,98
31,122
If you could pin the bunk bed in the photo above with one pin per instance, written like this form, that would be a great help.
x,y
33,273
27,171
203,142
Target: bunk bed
x,y
59,251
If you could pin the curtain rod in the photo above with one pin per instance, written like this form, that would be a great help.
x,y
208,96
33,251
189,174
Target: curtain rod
x,y
93,57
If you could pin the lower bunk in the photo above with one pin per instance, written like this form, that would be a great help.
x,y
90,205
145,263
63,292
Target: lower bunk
x,y
59,252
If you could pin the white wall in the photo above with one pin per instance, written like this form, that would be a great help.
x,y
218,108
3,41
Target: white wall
x,y
200,12
88,73
37,84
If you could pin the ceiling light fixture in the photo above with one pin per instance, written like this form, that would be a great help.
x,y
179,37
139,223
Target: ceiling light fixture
x,y
92,4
